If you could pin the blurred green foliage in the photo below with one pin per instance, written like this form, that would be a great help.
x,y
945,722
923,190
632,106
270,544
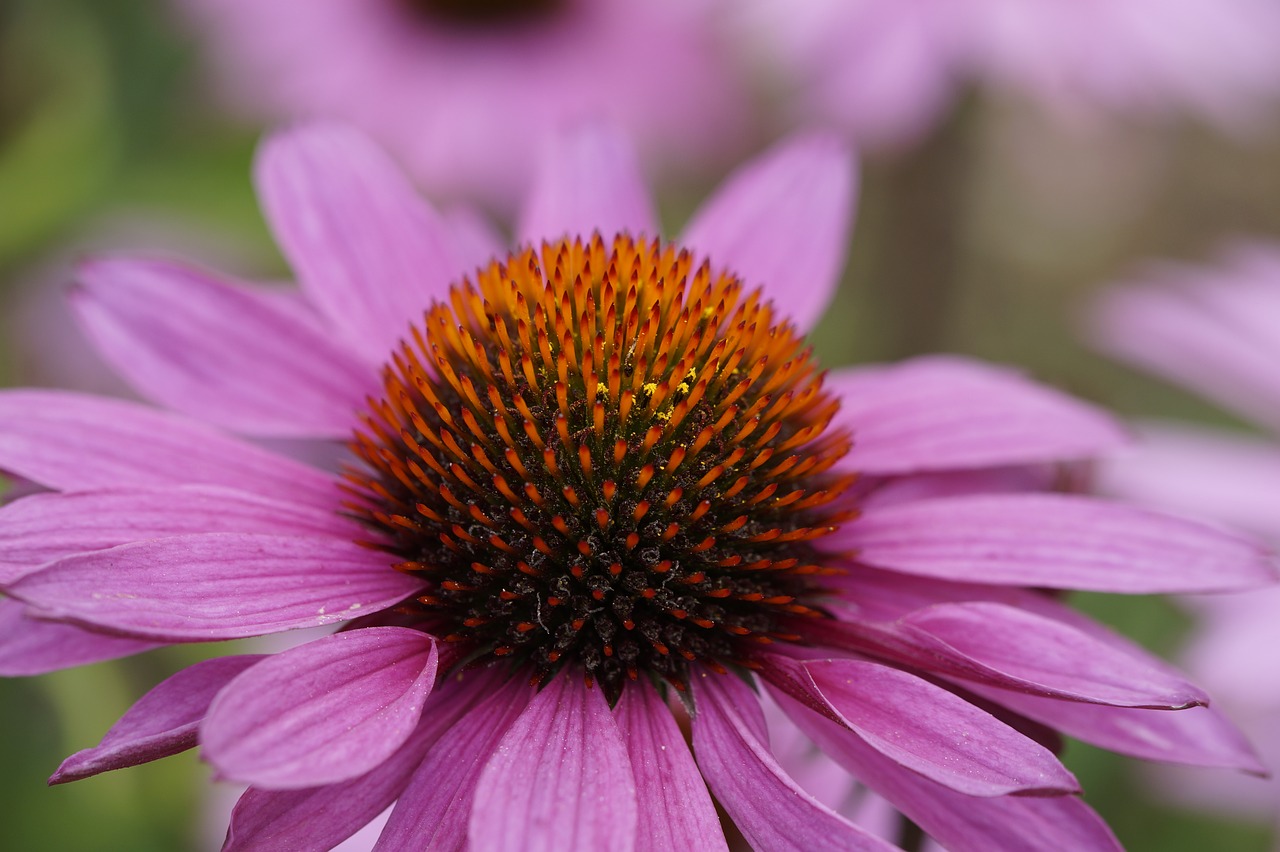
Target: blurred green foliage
x,y
959,247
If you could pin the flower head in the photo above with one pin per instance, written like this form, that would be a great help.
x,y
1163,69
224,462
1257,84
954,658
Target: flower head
x,y
587,476
887,69
465,91
598,452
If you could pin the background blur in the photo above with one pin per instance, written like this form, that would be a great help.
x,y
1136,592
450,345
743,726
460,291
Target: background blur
x,y
985,240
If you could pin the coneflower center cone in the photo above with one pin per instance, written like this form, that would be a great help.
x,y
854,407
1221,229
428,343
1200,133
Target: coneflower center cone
x,y
598,454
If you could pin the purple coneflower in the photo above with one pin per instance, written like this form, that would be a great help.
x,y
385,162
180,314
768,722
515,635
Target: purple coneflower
x,y
598,489
1214,330
887,69
464,91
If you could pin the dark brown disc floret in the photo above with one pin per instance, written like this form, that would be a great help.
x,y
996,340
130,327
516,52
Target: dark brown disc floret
x,y
482,13
598,454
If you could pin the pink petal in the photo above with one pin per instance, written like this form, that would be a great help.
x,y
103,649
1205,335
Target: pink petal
x,y
49,526
819,775
368,251
730,740
1044,651
435,808
324,712
886,596
935,732
782,223
216,586
477,242
320,817
161,723
888,614
1229,476
1224,648
587,180
332,817
219,352
670,791
883,73
1057,541
1007,647
560,779
939,413
1196,736
961,823
69,441
1215,333
30,646
954,483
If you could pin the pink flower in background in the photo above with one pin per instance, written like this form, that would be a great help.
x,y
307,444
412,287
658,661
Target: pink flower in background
x,y
1216,331
465,92
600,472
886,70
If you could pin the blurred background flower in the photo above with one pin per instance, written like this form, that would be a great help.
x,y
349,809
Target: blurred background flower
x,y
888,71
983,236
463,92
1216,331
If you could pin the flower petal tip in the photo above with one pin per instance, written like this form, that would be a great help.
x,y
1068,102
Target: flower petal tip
x,y
68,771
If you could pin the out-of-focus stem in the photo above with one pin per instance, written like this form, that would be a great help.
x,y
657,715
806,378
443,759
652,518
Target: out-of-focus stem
x,y
918,268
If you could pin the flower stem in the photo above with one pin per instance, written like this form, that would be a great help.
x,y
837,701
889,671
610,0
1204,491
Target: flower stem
x,y
920,257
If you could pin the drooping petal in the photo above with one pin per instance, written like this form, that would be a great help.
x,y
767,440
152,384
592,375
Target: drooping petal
x,y
216,586
560,779
321,817
961,823
730,741
435,808
219,352
889,605
941,413
1004,646
1057,541
1042,650
45,527
30,646
69,441
670,792
1196,736
782,223
935,732
161,723
324,712
588,179
368,251
877,600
